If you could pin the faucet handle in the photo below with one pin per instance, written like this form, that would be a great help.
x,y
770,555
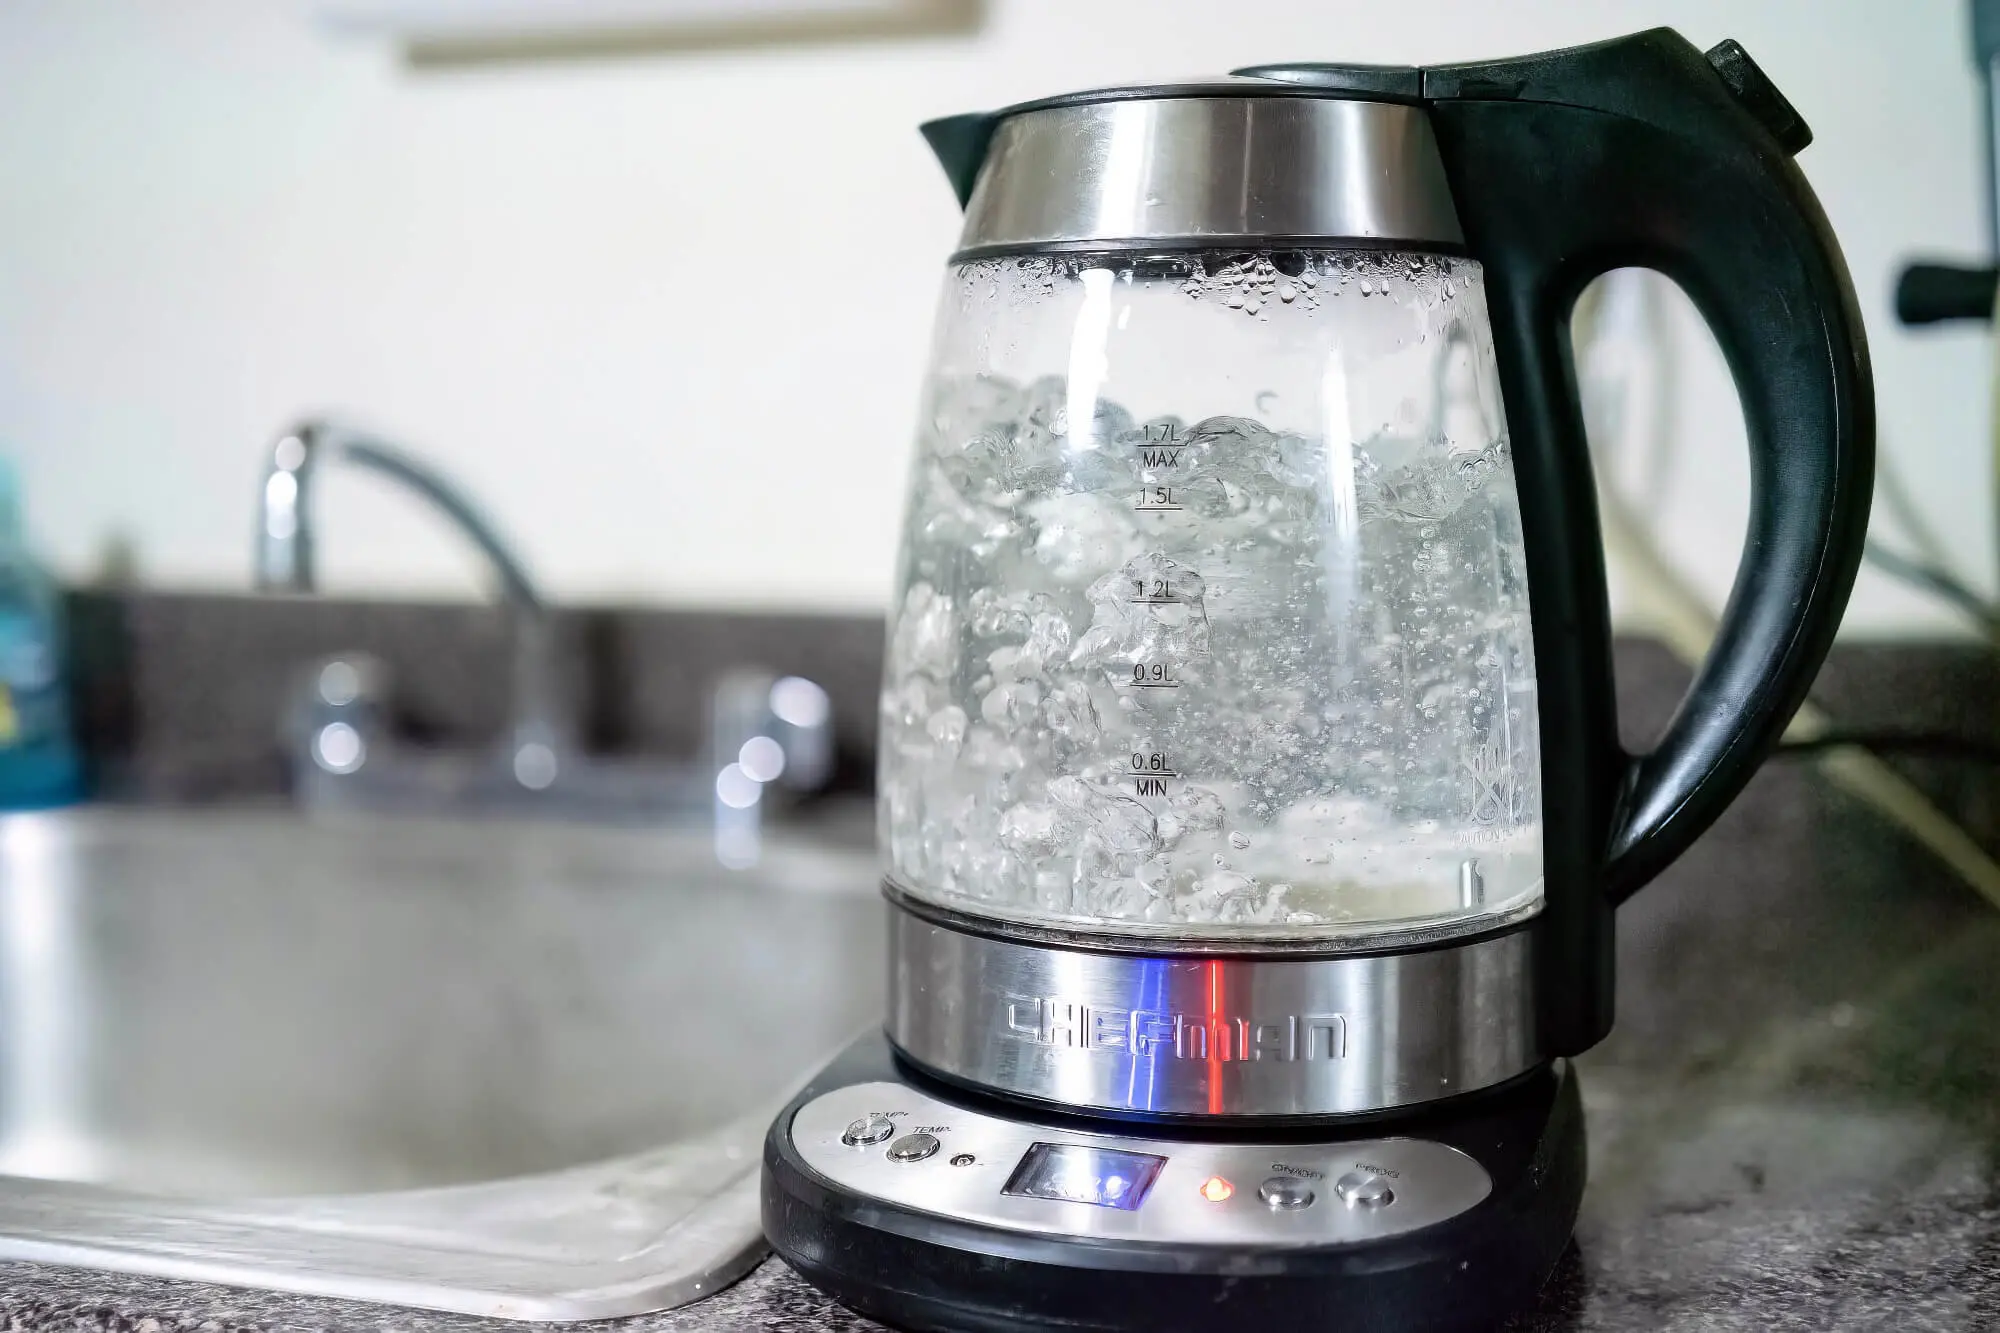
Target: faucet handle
x,y
338,717
773,730
802,717
764,731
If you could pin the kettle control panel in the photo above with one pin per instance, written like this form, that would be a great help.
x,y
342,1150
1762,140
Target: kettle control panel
x,y
894,1143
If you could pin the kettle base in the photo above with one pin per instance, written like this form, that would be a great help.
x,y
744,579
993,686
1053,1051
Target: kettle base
x,y
929,1207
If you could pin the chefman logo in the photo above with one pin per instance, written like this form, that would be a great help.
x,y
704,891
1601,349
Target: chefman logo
x,y
1052,1021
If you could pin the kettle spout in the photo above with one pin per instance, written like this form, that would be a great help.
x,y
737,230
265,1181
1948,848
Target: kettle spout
x,y
960,143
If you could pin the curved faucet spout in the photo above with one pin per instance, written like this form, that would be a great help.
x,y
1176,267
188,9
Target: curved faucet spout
x,y
285,562
286,534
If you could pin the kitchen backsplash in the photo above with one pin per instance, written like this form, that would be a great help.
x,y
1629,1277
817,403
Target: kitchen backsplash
x,y
180,697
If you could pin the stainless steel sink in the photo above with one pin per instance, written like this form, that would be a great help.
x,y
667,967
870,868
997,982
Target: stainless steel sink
x,y
504,1069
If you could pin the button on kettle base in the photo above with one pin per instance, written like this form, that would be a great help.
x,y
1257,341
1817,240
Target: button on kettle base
x,y
1364,1189
868,1130
1285,1194
913,1147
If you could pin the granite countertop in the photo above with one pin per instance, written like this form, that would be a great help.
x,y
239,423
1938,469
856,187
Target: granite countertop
x,y
1793,1126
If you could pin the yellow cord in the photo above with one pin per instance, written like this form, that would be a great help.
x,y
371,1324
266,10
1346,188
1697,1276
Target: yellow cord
x,y
1993,409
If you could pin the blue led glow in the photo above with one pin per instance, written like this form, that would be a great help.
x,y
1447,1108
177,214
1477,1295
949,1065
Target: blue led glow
x,y
1081,1173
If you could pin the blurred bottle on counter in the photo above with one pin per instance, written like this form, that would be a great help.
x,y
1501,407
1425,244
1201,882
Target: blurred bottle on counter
x,y
38,760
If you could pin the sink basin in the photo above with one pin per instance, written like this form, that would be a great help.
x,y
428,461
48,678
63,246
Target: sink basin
x,y
497,1068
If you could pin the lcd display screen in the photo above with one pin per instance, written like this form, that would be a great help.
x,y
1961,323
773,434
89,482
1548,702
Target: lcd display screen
x,y
1079,1173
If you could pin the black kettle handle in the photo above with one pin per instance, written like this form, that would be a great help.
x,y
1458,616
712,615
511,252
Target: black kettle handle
x,y
1644,152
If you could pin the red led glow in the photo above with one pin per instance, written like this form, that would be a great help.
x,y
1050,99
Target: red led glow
x,y
1215,1189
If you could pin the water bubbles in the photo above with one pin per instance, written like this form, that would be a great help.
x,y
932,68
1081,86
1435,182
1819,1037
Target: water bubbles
x,y
1434,485
1120,823
1079,535
1223,894
925,640
1198,810
1029,829
1070,713
1047,642
963,407
1473,471
1114,899
1011,705
1320,706
1149,612
991,751
947,727
993,613
907,704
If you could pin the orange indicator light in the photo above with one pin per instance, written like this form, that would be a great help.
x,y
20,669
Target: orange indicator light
x,y
1215,1189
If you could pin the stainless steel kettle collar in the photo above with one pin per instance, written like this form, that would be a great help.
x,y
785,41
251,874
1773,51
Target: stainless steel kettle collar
x,y
1236,162
1188,1034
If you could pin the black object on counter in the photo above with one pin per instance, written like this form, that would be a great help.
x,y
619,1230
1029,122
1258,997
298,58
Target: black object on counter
x,y
1933,293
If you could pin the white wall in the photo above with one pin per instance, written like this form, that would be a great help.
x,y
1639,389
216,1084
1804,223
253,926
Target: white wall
x,y
667,315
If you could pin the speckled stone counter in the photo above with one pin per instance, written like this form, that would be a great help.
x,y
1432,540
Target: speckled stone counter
x,y
1793,1127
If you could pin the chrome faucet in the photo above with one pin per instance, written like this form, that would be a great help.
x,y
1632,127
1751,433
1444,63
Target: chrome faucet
x,y
539,734
763,732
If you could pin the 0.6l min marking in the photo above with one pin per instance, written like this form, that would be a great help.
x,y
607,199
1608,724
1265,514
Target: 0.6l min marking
x,y
1151,771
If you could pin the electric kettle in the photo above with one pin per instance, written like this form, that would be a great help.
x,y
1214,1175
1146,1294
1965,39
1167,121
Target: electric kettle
x,y
1250,793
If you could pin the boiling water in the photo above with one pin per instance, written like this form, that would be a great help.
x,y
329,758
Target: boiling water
x,y
1207,677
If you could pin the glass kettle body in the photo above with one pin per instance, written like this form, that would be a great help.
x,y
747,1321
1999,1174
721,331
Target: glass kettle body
x,y
1212,620
1247,744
